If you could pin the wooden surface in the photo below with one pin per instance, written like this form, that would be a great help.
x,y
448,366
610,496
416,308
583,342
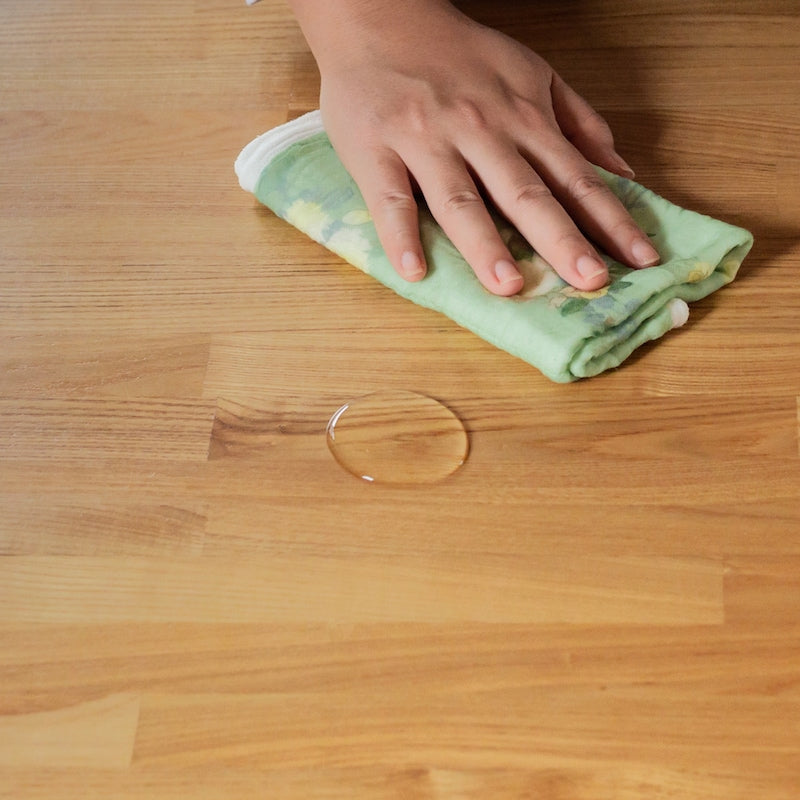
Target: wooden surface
x,y
196,601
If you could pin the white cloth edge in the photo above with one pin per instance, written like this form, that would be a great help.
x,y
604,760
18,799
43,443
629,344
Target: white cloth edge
x,y
257,155
679,311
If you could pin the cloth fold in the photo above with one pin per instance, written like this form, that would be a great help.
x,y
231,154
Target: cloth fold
x,y
566,333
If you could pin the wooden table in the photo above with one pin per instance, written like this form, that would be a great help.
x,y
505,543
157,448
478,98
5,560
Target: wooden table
x,y
196,601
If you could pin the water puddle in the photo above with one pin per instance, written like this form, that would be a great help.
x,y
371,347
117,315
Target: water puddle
x,y
397,437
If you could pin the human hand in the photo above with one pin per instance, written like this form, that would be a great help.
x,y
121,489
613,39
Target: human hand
x,y
426,96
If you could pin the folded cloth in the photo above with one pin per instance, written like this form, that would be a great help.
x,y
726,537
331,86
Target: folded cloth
x,y
565,333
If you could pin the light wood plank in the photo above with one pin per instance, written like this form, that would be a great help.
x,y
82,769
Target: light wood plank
x,y
93,735
277,658
641,725
622,781
308,588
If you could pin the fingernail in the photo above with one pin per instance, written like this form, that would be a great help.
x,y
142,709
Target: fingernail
x,y
624,166
590,267
644,254
506,272
411,266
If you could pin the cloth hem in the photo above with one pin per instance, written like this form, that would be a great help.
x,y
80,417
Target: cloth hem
x,y
258,155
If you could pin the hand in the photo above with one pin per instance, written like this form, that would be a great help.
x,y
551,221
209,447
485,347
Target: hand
x,y
417,93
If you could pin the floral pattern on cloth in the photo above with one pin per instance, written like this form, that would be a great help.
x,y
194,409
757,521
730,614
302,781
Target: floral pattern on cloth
x,y
565,333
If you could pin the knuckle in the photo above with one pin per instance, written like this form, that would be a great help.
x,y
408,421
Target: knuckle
x,y
419,123
459,199
586,185
532,194
416,119
531,114
470,115
395,200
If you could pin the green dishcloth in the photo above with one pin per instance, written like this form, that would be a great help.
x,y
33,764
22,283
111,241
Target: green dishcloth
x,y
565,333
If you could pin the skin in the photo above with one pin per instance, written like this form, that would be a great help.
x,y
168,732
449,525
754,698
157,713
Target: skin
x,y
417,96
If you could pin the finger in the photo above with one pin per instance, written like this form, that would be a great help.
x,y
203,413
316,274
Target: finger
x,y
458,207
528,203
589,201
586,129
384,182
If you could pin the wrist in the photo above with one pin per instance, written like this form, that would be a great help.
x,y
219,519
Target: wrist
x,y
336,27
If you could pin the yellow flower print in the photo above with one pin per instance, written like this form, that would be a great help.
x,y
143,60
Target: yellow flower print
x,y
558,299
571,291
359,216
540,278
700,272
351,245
309,218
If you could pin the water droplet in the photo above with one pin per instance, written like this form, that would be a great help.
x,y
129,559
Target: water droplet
x,y
397,437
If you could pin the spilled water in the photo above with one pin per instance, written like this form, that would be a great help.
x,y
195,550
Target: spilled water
x,y
397,437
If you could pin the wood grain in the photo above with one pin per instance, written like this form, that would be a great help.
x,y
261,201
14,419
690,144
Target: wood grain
x,y
602,603
94,735
275,588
